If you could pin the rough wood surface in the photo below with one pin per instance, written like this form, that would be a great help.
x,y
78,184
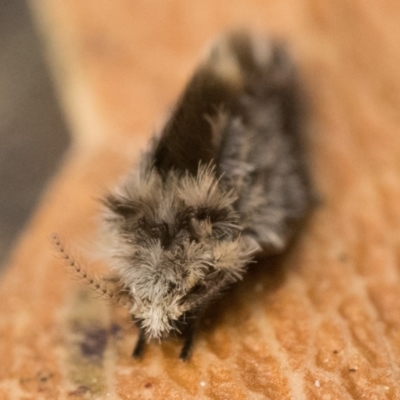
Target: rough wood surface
x,y
323,322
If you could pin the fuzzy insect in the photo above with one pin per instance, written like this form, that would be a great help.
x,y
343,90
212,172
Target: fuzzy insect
x,y
224,181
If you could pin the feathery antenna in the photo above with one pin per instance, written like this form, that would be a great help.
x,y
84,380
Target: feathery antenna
x,y
97,285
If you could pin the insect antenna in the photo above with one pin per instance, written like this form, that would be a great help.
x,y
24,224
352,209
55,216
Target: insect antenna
x,y
99,286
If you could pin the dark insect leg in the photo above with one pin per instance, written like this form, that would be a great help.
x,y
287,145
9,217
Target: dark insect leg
x,y
139,347
138,350
189,336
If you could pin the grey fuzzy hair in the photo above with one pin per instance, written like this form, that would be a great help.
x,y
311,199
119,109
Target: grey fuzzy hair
x,y
159,275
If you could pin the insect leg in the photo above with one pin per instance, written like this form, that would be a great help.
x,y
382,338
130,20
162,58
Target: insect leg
x,y
139,347
189,337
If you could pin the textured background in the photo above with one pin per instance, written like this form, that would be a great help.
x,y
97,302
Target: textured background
x,y
323,322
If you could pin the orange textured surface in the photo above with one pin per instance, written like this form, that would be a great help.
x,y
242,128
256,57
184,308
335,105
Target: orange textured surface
x,y
323,322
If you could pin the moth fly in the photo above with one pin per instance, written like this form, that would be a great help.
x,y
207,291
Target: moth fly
x,y
222,182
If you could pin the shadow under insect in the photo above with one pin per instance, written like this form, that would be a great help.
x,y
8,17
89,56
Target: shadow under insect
x,y
267,273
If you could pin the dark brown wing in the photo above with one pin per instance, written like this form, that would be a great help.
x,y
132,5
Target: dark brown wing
x,y
192,134
241,110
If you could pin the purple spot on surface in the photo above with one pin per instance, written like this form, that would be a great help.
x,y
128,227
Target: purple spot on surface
x,y
94,342
115,329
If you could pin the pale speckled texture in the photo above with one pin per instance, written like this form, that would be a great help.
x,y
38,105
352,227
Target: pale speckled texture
x,y
321,323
